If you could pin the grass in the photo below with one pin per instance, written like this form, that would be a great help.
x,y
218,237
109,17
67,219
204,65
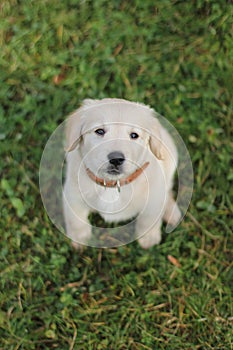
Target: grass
x,y
175,56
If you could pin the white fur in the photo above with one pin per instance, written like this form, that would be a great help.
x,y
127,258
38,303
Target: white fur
x,y
149,196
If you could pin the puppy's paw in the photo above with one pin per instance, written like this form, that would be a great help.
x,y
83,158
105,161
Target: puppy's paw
x,y
149,239
79,237
172,214
78,247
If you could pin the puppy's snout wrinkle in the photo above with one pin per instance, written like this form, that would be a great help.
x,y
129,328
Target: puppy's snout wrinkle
x,y
116,158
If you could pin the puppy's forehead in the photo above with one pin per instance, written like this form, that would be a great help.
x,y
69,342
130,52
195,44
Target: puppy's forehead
x,y
116,112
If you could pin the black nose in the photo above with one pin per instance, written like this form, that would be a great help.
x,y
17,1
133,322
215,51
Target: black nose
x,y
116,158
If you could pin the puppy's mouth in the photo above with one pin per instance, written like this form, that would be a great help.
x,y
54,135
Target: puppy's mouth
x,y
114,171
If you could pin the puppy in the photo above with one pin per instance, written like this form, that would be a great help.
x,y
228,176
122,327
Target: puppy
x,y
120,163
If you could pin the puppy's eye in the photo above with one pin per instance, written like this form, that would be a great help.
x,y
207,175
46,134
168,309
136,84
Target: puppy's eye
x,y
100,132
134,135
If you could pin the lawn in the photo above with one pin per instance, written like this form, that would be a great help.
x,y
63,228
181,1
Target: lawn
x,y
175,56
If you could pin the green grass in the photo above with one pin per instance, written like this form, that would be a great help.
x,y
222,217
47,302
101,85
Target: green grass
x,y
175,56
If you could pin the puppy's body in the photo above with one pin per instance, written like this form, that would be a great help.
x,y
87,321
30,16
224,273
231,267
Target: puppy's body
x,y
114,139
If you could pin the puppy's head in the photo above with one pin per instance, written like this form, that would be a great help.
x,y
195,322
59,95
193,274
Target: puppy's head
x,y
114,136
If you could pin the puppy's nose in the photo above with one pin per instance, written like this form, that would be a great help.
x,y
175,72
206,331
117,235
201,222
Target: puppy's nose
x,y
116,158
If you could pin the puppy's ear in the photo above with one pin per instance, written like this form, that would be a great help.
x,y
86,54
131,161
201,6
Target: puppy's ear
x,y
156,142
75,124
73,130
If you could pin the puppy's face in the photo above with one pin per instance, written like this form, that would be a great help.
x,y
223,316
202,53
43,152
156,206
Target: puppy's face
x,y
114,150
114,136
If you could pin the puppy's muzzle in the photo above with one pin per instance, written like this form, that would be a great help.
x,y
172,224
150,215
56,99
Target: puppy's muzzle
x,y
116,160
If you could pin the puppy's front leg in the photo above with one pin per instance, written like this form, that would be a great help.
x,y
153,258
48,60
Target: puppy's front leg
x,y
78,228
172,213
152,236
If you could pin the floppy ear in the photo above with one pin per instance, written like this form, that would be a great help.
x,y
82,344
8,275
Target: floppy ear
x,y
156,142
73,130
74,125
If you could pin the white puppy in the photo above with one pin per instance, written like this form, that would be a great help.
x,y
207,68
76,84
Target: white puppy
x,y
120,163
